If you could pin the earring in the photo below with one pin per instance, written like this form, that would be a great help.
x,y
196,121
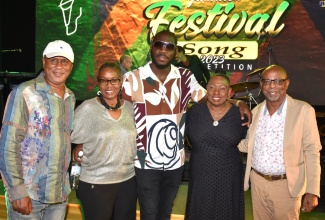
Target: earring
x,y
99,93
120,93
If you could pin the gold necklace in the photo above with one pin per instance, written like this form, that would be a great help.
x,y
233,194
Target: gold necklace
x,y
220,115
216,122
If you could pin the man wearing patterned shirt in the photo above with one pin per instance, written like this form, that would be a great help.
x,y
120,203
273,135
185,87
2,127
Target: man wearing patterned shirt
x,y
283,145
160,93
35,140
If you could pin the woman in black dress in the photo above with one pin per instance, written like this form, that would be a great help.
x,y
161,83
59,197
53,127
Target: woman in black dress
x,y
214,130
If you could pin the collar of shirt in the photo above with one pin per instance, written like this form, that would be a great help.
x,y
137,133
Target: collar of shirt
x,y
41,85
173,74
279,111
122,68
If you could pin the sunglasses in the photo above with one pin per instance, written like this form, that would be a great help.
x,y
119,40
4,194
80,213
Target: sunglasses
x,y
159,45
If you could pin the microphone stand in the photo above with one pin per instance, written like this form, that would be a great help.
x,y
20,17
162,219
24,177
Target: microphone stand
x,y
11,50
270,50
251,99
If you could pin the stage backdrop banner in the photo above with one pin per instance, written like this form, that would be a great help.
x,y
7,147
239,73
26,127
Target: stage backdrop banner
x,y
236,36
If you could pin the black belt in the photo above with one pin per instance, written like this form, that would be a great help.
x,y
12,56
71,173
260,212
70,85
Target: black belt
x,y
271,177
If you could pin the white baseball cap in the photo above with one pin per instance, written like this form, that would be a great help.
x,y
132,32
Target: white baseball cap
x,y
59,48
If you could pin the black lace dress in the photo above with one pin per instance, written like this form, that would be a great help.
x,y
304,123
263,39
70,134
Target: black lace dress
x,y
216,168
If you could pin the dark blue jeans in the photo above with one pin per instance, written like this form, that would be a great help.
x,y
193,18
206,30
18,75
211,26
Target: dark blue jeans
x,y
41,211
157,190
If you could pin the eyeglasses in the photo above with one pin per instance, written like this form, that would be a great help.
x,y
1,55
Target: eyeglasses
x,y
269,81
106,81
159,45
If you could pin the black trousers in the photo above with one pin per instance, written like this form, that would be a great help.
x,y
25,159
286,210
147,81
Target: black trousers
x,y
157,190
108,201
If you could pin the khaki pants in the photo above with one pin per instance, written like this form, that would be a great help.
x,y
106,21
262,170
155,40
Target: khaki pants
x,y
271,199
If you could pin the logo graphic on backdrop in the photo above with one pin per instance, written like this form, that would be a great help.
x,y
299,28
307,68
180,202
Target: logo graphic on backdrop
x,y
66,7
222,33
217,21
229,56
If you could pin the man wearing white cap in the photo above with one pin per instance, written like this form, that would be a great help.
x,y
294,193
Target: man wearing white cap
x,y
35,140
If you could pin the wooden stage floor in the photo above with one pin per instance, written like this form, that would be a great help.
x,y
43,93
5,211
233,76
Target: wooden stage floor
x,y
74,212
